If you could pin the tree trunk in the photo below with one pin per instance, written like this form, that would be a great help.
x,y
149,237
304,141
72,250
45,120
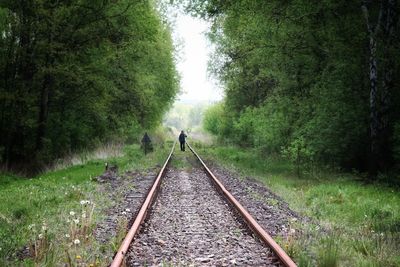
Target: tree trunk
x,y
44,94
388,28
373,104
373,95
44,109
380,97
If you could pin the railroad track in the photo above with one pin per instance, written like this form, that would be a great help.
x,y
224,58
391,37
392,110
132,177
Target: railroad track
x,y
195,225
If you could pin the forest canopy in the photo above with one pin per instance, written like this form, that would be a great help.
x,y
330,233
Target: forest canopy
x,y
80,72
318,81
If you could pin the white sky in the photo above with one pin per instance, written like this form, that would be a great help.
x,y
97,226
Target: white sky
x,y
189,32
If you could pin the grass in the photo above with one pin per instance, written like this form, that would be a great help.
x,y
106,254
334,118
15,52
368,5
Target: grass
x,y
180,159
353,224
35,212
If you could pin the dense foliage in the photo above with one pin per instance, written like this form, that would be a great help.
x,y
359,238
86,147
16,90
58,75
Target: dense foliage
x,y
75,73
313,80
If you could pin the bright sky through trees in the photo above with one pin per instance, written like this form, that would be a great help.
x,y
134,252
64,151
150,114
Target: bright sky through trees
x,y
192,65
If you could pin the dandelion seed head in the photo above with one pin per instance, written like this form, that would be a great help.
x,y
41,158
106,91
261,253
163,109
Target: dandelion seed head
x,y
40,236
76,221
67,236
72,213
77,241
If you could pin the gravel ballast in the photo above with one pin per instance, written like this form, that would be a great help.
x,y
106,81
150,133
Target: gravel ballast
x,y
192,225
270,210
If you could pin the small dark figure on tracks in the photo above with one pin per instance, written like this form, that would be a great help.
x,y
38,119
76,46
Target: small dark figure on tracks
x,y
182,139
146,143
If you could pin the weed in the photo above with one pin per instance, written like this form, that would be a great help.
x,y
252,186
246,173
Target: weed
x,y
328,255
122,226
304,260
39,244
19,213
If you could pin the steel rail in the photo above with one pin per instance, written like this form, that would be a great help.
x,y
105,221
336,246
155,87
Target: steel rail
x,y
251,222
119,256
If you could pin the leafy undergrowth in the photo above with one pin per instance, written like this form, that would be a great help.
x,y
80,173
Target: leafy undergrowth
x,y
354,224
48,220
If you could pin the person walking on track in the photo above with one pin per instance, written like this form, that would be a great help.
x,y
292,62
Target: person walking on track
x,y
182,140
146,143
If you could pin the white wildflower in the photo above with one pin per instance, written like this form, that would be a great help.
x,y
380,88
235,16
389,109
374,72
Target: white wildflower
x,y
72,213
77,242
83,202
40,236
76,221
124,213
67,236
128,210
88,202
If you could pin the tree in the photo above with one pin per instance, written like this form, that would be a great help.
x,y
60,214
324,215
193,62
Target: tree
x,y
300,71
77,73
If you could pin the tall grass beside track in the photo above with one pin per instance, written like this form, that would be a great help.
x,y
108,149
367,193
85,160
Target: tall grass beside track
x,y
55,212
352,223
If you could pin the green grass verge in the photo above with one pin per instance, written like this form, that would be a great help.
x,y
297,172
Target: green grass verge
x,y
360,222
45,201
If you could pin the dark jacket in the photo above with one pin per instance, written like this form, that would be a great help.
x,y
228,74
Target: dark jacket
x,y
146,138
182,137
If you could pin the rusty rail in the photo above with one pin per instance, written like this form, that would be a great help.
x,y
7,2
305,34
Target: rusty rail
x,y
251,222
119,256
